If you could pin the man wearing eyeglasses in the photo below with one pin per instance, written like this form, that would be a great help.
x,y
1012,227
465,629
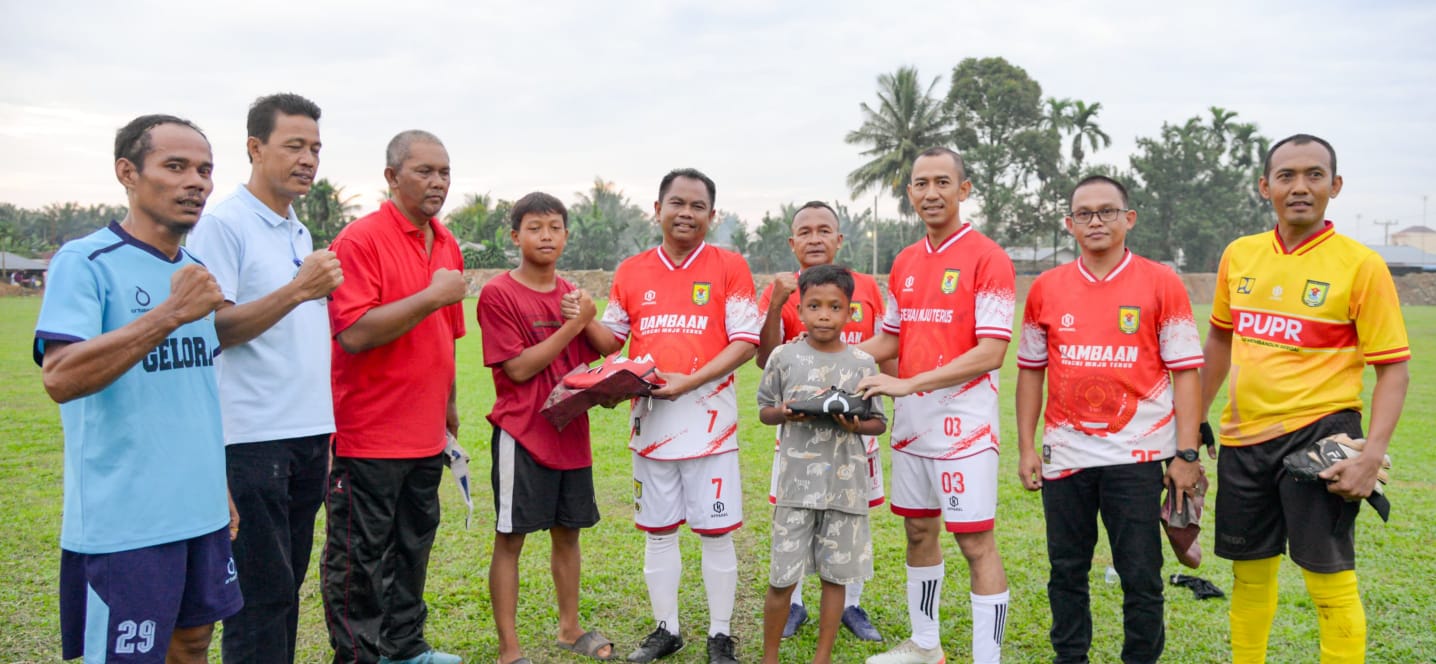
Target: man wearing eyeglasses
x,y
1115,332
274,372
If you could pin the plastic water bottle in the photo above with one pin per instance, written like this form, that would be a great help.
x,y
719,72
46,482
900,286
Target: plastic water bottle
x,y
1111,575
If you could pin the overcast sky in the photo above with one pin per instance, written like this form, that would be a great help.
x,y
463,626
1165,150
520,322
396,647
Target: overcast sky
x,y
549,95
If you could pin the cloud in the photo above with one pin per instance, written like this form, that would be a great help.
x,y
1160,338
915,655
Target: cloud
x,y
549,95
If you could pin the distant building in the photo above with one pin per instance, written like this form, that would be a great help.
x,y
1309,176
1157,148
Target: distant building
x,y
1420,237
16,269
1405,259
1032,260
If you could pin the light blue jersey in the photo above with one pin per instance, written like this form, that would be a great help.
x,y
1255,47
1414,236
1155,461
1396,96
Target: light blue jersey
x,y
144,457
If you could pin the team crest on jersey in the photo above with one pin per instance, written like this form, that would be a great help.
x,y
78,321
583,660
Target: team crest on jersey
x,y
1315,293
1129,319
702,290
856,310
1245,287
949,281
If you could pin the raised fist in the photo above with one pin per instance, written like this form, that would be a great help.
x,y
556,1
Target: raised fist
x,y
783,286
319,275
193,293
448,286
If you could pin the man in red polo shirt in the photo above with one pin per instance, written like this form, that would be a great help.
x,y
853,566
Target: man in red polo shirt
x,y
395,320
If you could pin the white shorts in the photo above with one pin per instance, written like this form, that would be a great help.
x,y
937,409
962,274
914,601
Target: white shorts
x,y
961,491
876,496
704,492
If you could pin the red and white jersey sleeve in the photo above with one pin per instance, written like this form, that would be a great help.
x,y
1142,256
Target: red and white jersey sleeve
x,y
1109,346
681,317
941,301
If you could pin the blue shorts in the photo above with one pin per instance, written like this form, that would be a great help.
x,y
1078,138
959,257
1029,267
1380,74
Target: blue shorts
x,y
123,606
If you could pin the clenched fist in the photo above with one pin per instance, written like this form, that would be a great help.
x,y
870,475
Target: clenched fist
x,y
577,304
448,286
783,286
319,275
194,293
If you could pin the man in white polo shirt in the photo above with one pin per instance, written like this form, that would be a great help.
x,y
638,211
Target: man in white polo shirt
x,y
274,370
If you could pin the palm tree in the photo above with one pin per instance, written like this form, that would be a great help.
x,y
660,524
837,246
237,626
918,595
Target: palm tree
x,y
325,210
1058,116
1084,128
907,121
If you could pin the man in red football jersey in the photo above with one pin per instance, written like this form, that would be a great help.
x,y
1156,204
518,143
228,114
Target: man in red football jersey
x,y
948,322
688,307
1115,332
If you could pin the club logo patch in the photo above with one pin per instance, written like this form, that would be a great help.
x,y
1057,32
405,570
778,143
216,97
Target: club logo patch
x,y
701,292
1314,295
637,496
1245,287
949,281
1129,319
856,311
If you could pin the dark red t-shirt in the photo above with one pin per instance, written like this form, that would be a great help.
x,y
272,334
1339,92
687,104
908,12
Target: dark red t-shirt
x,y
390,402
514,317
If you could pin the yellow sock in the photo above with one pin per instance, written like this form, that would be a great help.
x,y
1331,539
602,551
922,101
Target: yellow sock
x,y
1340,617
1253,607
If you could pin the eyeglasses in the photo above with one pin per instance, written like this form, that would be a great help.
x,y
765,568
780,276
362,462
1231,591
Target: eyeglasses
x,y
1107,215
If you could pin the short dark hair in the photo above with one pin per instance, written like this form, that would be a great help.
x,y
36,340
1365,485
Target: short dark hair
x,y
939,151
813,205
536,203
822,275
262,112
132,141
1297,139
1099,179
691,174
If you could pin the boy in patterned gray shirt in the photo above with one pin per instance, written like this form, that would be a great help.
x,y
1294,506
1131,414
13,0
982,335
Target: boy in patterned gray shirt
x,y
820,522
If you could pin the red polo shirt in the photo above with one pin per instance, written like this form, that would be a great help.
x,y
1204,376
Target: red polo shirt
x,y
390,402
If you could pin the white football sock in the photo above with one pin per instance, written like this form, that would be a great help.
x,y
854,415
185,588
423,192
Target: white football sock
x,y
798,593
663,568
853,594
924,595
989,621
720,579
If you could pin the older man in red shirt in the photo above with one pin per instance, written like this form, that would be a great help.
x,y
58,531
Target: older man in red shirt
x,y
395,320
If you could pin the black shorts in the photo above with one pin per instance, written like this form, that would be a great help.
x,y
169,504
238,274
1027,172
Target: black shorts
x,y
124,606
529,497
1260,507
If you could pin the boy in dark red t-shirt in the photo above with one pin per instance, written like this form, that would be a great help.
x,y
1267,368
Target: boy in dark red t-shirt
x,y
536,328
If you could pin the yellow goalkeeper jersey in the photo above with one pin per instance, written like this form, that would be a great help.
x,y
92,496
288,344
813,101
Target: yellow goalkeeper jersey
x,y
1305,321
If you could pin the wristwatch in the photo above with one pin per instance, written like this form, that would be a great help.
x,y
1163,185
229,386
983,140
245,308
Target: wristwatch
x,y
1188,455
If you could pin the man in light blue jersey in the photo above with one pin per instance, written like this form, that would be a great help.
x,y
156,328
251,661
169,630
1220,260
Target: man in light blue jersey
x,y
127,345
274,375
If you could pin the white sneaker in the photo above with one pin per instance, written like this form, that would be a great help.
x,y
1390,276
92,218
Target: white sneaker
x,y
908,652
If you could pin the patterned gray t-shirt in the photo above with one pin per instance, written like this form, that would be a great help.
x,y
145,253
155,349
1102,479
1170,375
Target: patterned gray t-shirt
x,y
820,466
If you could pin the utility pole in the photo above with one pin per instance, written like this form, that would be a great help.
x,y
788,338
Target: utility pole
x,y
875,235
1386,231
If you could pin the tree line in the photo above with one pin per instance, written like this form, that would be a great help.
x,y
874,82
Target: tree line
x,y
1194,184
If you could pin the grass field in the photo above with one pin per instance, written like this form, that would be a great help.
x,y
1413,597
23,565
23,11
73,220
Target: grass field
x,y
1396,561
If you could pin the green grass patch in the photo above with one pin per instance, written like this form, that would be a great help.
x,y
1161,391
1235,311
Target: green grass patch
x,y
1396,562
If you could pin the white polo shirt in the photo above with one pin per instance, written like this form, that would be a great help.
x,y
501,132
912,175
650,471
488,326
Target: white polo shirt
x,y
276,386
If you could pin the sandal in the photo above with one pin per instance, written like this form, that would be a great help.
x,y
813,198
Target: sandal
x,y
589,644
